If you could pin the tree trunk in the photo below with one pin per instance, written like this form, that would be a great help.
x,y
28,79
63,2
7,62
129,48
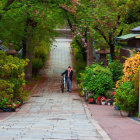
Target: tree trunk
x,y
28,70
24,48
112,51
89,51
25,39
29,55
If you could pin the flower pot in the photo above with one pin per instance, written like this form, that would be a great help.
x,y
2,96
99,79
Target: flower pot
x,y
116,107
103,102
90,100
108,103
124,113
98,102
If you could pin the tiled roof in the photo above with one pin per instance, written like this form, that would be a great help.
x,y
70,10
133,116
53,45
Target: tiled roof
x,y
3,48
137,29
128,36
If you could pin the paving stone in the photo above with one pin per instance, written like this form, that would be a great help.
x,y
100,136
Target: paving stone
x,y
26,138
53,115
61,136
6,138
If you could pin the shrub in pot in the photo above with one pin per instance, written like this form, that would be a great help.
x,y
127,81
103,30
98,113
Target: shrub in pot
x,y
90,98
98,99
126,99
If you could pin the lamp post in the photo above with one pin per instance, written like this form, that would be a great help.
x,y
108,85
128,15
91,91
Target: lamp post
x,y
103,54
11,51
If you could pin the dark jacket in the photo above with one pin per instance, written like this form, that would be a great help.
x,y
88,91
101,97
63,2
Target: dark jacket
x,y
66,74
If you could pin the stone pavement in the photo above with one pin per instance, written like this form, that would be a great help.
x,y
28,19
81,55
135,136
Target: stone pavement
x,y
117,127
51,114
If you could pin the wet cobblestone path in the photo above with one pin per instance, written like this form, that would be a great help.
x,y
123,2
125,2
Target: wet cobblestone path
x,y
51,114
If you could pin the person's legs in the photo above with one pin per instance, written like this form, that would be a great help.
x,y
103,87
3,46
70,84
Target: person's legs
x,y
70,85
67,84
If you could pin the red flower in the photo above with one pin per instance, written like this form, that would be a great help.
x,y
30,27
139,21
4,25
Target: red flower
x,y
20,98
17,105
98,98
103,99
113,93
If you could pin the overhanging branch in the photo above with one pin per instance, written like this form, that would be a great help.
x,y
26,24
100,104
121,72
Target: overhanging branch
x,y
6,7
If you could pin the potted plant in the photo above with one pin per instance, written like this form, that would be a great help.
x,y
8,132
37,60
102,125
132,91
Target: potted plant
x,y
98,100
124,113
90,98
109,102
103,100
126,99
81,93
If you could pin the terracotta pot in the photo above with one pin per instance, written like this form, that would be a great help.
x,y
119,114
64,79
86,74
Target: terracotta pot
x,y
124,113
90,100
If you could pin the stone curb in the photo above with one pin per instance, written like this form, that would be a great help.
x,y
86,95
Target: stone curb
x,y
104,135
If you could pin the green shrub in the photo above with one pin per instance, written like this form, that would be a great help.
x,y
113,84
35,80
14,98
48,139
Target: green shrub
x,y
136,81
109,94
40,57
12,78
127,100
90,96
97,79
116,68
37,64
80,63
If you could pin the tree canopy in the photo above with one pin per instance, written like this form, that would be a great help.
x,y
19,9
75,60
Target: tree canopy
x,y
25,23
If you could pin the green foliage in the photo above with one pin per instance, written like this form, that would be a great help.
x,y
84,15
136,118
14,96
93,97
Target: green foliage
x,y
127,100
28,23
90,96
12,78
136,81
109,94
130,12
37,64
116,68
78,57
96,95
40,56
97,79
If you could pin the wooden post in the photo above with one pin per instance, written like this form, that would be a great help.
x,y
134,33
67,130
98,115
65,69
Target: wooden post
x,y
139,92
